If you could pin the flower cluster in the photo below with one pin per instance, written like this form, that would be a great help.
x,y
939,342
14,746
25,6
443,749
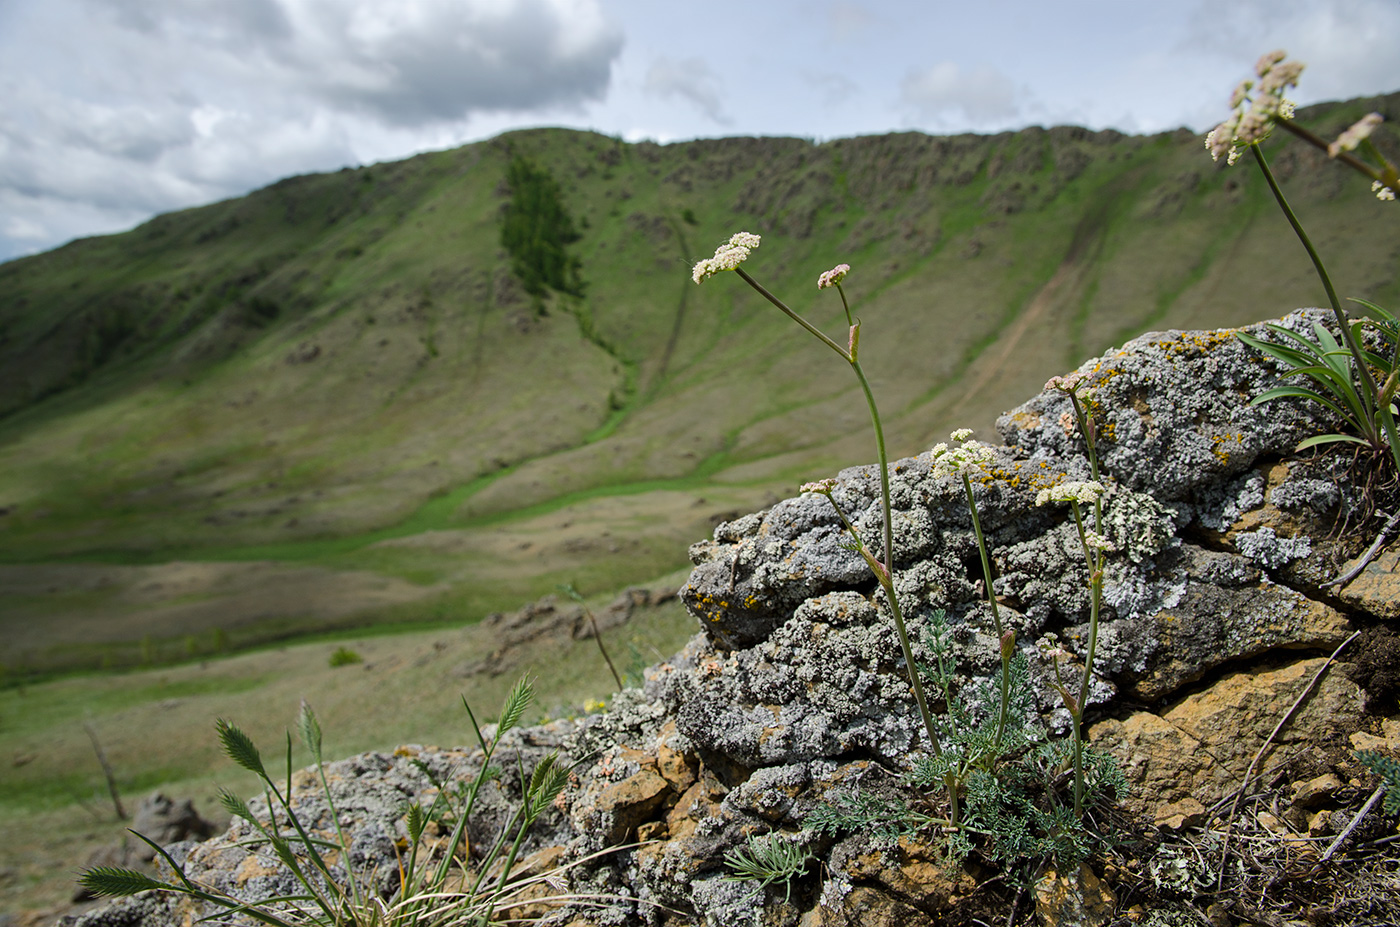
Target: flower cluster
x,y
1257,106
1358,133
834,276
1095,541
820,486
727,256
1085,491
1065,384
962,459
1382,191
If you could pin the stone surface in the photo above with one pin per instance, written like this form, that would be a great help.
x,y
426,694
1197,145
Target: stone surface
x,y
1377,589
1073,899
1199,748
794,691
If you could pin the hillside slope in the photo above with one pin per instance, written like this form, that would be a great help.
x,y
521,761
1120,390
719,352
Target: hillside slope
x,y
336,388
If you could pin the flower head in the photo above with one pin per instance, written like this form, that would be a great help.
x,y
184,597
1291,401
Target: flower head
x,y
727,256
1084,491
1355,135
820,486
1257,105
1382,191
834,276
1095,541
962,459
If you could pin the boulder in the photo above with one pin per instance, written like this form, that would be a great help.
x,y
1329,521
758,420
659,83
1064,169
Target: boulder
x,y
793,692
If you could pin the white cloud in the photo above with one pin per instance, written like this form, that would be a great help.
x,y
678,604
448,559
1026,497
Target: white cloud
x,y
128,107
690,79
1349,46
982,96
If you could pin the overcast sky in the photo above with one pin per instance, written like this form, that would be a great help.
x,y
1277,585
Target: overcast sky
x,y
114,110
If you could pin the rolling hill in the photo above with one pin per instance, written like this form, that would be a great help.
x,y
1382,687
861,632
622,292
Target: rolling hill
x,y
343,401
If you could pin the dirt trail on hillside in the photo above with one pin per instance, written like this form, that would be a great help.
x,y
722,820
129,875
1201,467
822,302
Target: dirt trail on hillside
x,y
994,362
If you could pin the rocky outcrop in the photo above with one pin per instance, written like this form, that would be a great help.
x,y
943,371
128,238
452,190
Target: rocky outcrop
x,y
792,695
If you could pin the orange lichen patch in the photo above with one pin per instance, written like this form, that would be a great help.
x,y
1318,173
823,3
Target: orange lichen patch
x,y
1020,475
1194,344
1025,420
1221,445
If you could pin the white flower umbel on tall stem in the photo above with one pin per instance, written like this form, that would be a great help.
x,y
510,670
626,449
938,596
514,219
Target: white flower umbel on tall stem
x,y
960,461
1247,128
728,257
1095,547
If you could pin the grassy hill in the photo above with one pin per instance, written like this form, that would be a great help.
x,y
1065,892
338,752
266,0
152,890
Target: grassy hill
x,y
334,402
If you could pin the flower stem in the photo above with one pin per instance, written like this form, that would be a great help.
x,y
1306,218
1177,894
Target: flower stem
x,y
885,575
1363,371
887,551
996,620
1095,562
820,335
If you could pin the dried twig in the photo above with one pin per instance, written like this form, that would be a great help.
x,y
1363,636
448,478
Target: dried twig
x,y
1360,815
1367,557
1268,742
106,771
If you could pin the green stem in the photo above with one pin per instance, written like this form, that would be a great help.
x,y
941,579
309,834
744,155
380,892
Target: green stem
x,y
887,534
1316,141
1095,562
1363,371
820,335
996,620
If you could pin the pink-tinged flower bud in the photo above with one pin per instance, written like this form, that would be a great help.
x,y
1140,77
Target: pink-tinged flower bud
x,y
834,276
1008,644
1359,132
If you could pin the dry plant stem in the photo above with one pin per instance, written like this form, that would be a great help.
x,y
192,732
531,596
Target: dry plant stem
x,y
1360,816
1268,741
887,534
598,636
1367,557
106,771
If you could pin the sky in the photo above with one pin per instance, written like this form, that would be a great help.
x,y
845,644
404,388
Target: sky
x,y
112,111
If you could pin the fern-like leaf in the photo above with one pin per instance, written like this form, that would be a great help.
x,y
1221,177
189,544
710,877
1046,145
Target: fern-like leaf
x,y
1389,771
240,748
109,881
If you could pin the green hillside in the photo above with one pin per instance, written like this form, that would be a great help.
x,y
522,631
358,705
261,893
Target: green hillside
x,y
340,400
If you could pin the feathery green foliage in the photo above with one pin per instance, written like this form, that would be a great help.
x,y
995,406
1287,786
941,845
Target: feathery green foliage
x,y
768,859
1389,771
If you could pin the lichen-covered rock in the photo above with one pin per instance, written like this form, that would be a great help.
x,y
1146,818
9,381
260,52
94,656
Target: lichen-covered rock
x,y
795,691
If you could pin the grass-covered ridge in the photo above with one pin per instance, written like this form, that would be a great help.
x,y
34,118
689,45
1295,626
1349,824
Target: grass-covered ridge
x,y
337,391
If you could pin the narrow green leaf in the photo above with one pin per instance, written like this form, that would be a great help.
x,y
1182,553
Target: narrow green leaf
x,y
1329,439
